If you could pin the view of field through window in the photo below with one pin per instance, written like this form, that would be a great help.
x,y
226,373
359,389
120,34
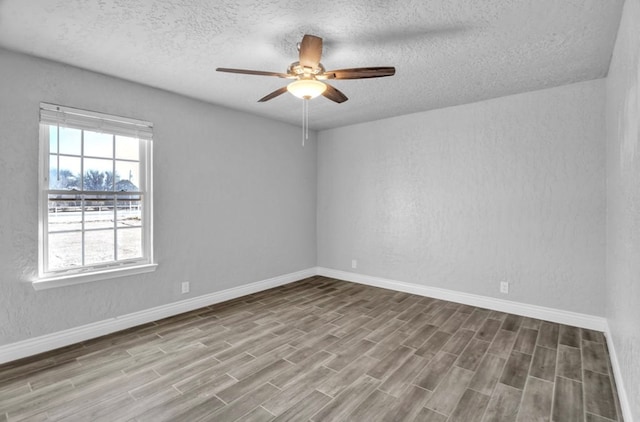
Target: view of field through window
x,y
94,200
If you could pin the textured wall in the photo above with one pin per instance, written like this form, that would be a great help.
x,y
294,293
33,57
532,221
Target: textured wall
x,y
463,197
623,201
250,185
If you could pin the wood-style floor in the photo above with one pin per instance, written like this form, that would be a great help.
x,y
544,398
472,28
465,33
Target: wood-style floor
x,y
322,350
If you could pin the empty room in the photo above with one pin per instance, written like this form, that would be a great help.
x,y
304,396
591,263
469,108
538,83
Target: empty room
x,y
320,211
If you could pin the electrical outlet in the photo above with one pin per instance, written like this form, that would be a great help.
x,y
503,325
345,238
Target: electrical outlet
x,y
185,287
354,264
504,287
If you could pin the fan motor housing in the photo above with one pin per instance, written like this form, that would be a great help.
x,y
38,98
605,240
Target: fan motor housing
x,y
297,69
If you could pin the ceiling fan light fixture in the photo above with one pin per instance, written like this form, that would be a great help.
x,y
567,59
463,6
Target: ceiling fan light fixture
x,y
306,88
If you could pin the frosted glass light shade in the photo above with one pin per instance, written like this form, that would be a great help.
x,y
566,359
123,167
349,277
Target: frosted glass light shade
x,y
306,88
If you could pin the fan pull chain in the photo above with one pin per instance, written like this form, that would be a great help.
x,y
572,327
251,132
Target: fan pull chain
x,y
305,120
306,117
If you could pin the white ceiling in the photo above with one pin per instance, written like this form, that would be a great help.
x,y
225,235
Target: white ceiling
x,y
446,52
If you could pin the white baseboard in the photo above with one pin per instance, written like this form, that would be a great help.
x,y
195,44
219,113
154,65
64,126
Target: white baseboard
x,y
532,311
63,338
617,375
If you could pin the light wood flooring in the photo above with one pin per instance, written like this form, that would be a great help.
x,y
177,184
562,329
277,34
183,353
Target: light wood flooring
x,y
322,350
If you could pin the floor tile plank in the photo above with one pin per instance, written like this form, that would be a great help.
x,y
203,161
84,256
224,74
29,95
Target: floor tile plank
x,y
487,375
476,319
502,343
590,417
252,382
390,362
446,396
341,380
512,323
458,341
259,414
305,408
435,371
598,395
591,335
399,380
416,339
569,362
544,363
408,406
289,376
242,369
488,330
526,341
536,401
548,335
454,322
372,407
594,357
504,404
349,354
428,415
297,390
470,408
569,336
516,370
435,343
244,404
347,401
472,355
568,401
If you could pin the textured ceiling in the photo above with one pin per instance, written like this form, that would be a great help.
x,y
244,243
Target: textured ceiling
x,y
446,52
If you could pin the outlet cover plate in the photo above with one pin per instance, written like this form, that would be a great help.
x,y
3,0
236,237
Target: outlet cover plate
x,y
504,287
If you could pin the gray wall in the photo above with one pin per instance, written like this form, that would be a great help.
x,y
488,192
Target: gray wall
x,y
235,198
623,201
464,197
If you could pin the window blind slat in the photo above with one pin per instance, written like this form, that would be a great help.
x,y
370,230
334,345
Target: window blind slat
x,y
68,117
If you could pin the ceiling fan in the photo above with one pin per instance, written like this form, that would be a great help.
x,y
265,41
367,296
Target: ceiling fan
x,y
310,75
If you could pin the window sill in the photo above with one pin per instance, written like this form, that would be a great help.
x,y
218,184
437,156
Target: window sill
x,y
71,279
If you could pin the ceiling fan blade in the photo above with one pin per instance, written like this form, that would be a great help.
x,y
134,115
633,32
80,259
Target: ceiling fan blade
x,y
334,94
361,72
310,51
252,72
273,95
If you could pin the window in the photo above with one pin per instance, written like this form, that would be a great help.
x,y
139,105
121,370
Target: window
x,y
95,194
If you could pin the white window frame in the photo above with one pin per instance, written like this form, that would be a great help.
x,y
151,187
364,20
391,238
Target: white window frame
x,y
51,114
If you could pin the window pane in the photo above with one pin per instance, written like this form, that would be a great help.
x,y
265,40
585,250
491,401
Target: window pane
x,y
53,139
98,174
65,250
98,213
127,176
98,144
70,141
68,177
64,213
129,243
98,247
129,211
127,148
